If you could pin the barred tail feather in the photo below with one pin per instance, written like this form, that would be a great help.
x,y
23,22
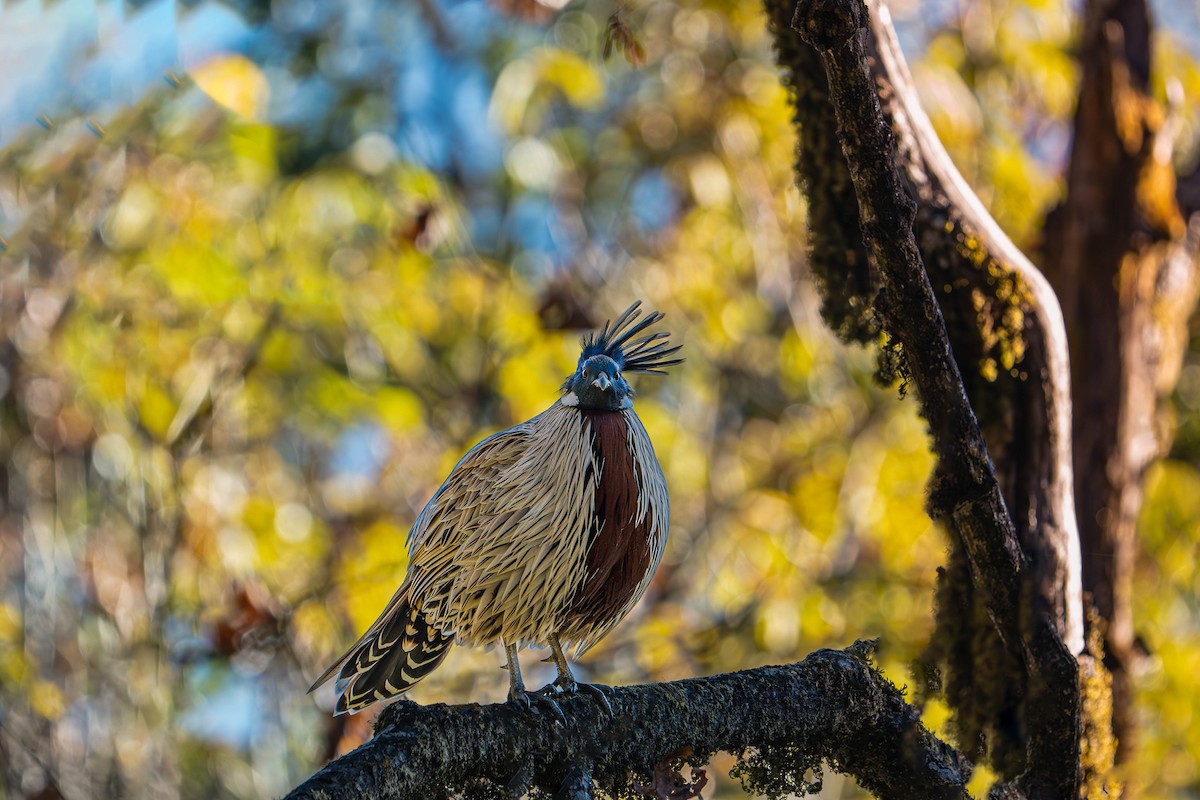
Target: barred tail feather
x,y
399,650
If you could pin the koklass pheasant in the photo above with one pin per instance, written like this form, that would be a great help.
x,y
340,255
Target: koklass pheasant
x,y
545,534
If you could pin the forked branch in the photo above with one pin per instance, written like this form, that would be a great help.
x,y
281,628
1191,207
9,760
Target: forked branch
x,y
964,492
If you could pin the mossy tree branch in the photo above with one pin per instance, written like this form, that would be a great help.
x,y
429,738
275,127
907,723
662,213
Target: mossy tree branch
x,y
1006,327
964,491
782,722
1007,331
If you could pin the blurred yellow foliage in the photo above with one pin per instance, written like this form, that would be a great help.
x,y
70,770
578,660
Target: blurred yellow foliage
x,y
371,576
579,80
47,699
235,82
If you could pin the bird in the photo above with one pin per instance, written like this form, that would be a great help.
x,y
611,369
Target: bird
x,y
545,534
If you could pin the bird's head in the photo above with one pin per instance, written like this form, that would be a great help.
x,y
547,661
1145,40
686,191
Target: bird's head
x,y
598,382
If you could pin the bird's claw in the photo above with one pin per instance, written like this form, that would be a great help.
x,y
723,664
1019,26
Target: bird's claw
x,y
597,691
567,688
528,700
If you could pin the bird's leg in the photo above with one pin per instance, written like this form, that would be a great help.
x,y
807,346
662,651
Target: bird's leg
x,y
517,692
565,683
565,676
516,686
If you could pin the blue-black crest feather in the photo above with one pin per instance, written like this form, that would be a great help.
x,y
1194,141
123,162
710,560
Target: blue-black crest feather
x,y
650,353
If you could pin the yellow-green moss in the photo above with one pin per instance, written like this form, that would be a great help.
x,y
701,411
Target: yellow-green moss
x,y
1098,745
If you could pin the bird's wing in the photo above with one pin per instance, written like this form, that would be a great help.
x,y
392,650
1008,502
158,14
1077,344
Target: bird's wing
x,y
467,501
445,522
467,489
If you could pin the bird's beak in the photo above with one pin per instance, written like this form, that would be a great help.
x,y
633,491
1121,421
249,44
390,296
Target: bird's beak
x,y
602,382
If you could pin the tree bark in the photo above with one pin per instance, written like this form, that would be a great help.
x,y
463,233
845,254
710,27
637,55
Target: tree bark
x,y
1017,335
1120,259
963,492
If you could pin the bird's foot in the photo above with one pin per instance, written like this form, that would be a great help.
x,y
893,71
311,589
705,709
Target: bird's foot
x,y
566,687
531,700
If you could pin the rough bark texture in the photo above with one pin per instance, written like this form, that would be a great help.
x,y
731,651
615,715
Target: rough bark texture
x,y
781,721
1008,335
1120,259
1009,328
1008,339
964,491
906,302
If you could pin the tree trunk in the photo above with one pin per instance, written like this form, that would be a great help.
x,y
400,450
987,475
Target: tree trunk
x,y
1118,254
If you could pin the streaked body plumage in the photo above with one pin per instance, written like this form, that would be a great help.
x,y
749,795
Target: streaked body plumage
x,y
547,533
